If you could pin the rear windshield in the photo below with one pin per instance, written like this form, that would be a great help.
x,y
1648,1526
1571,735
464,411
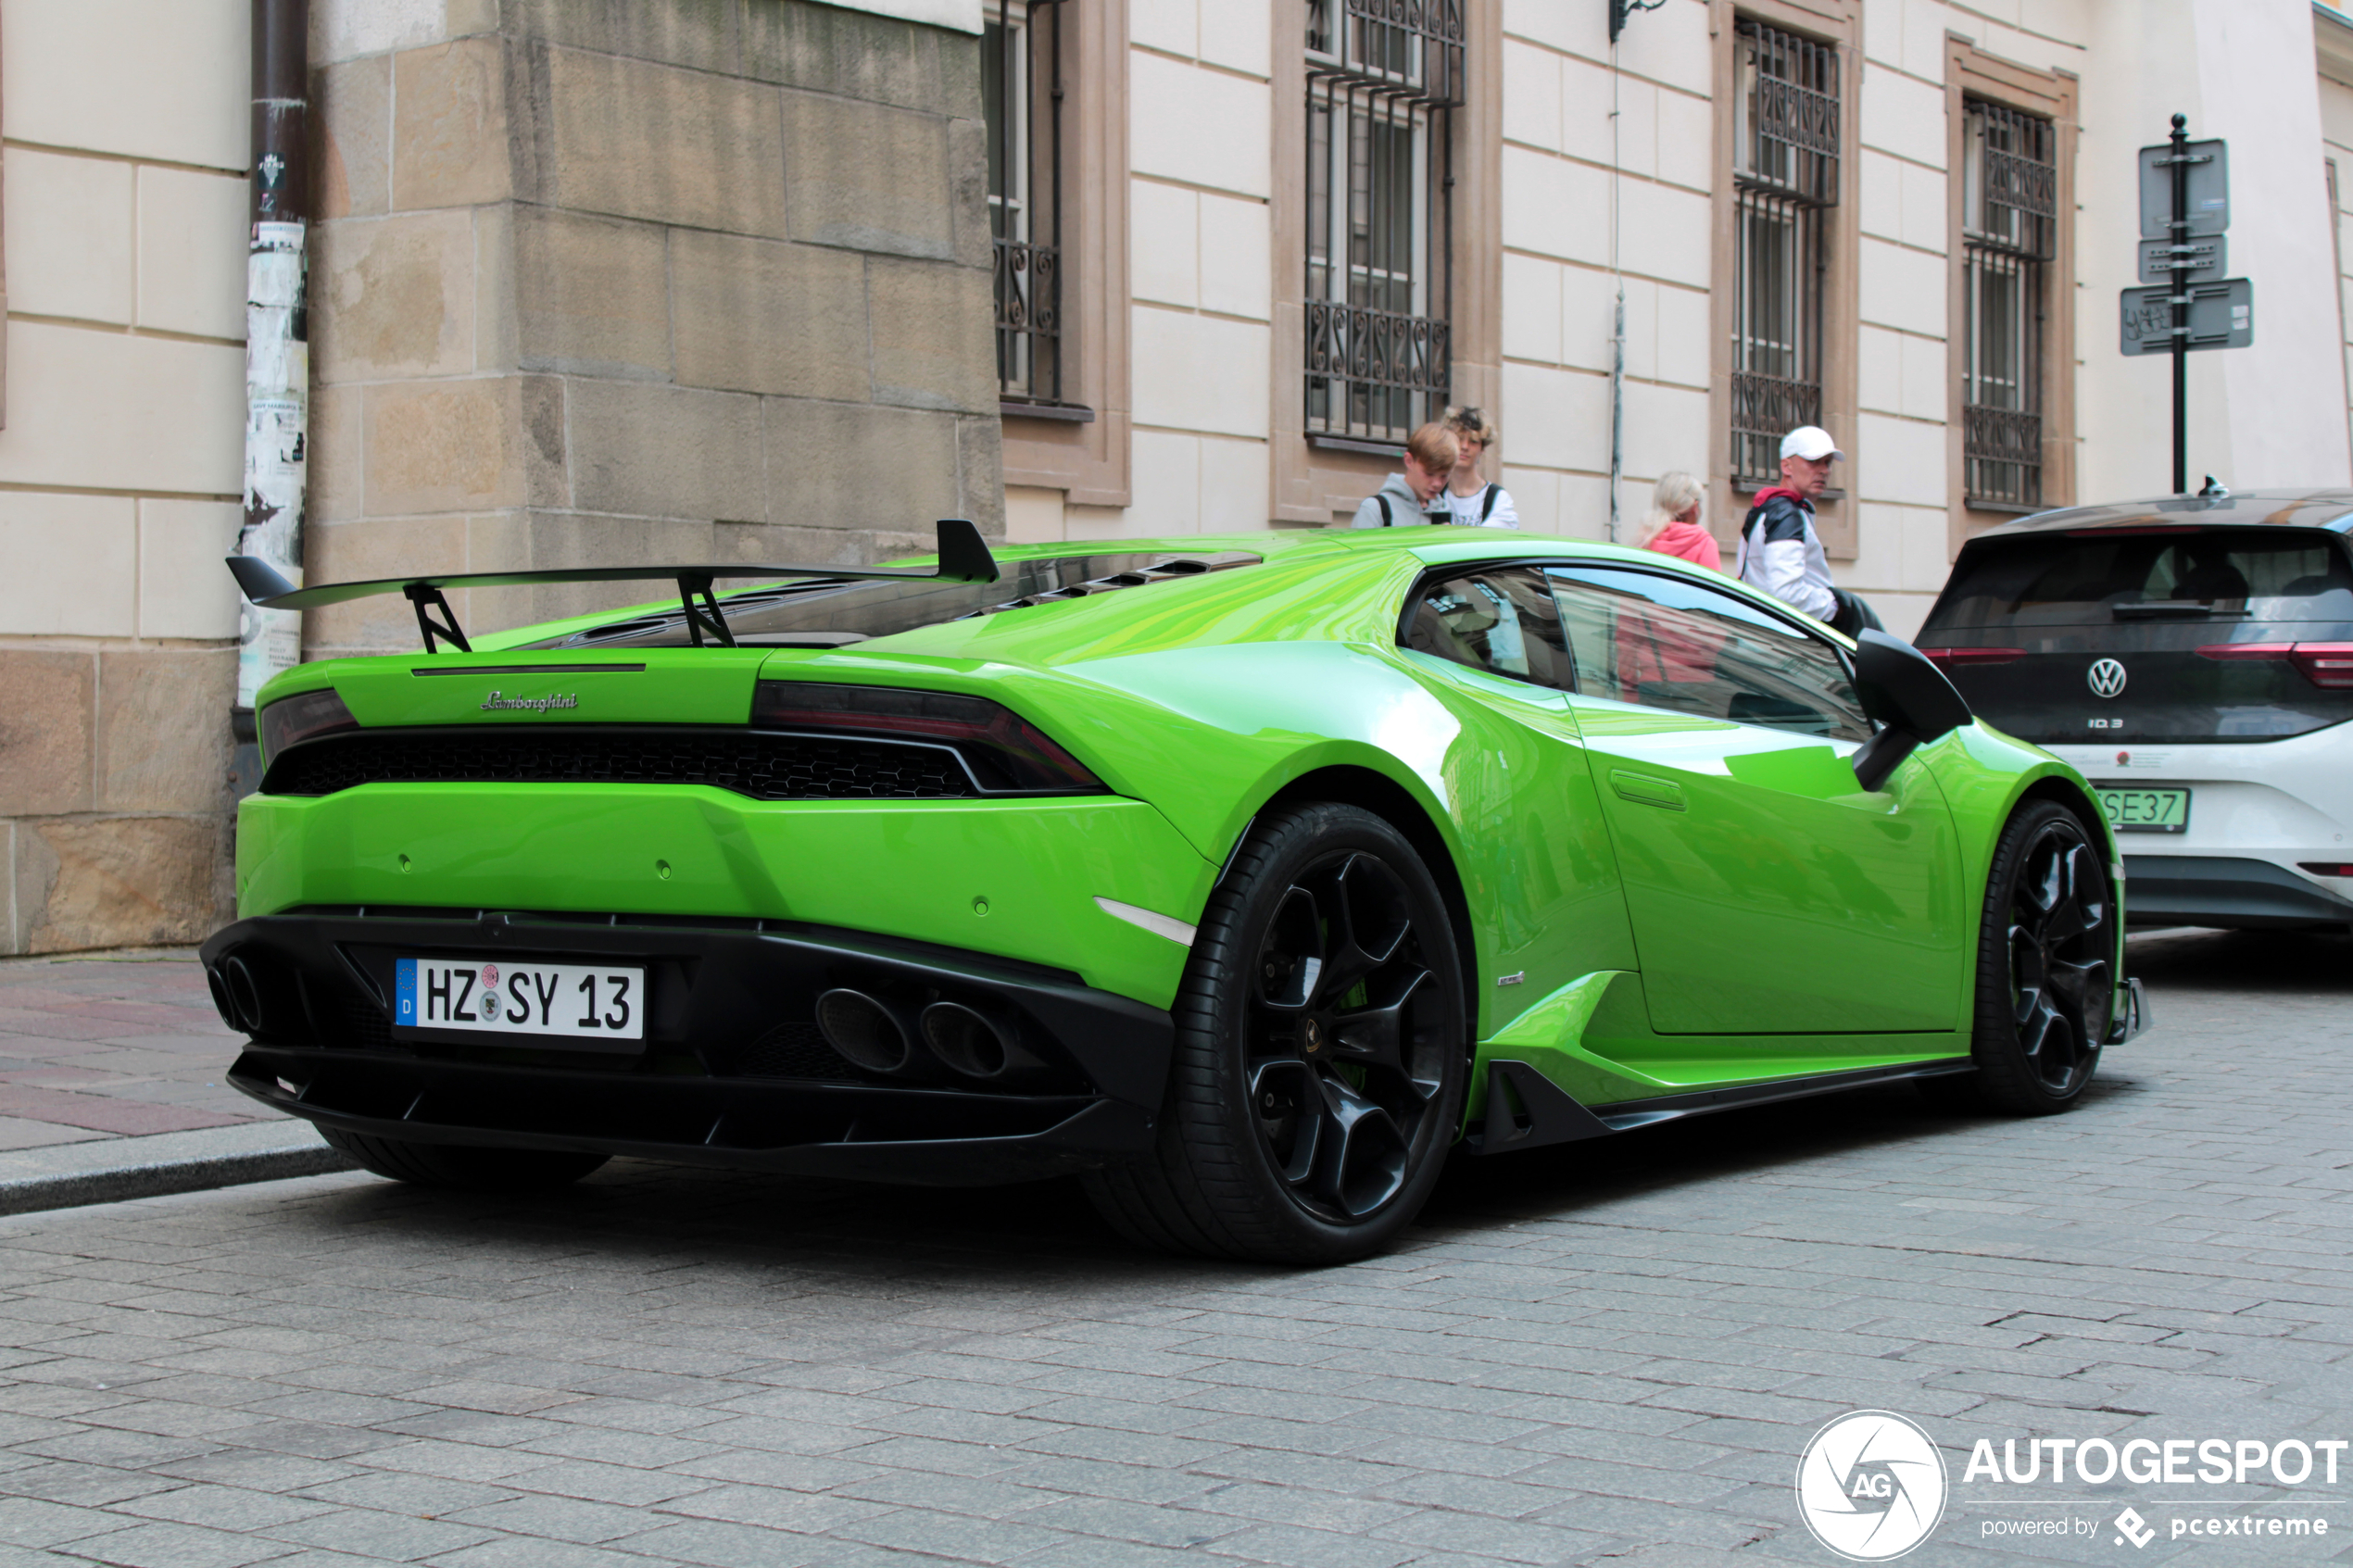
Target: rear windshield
x,y
2222,576
818,613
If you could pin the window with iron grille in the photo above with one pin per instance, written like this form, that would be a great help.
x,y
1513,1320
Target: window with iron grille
x,y
1021,100
2010,232
1383,77
1785,180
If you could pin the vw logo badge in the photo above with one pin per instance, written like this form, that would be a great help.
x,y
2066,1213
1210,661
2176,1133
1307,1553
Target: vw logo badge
x,y
2107,678
1870,1486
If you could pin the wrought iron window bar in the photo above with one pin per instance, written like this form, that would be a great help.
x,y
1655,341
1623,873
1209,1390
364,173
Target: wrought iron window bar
x,y
1382,77
2009,236
1785,179
1022,92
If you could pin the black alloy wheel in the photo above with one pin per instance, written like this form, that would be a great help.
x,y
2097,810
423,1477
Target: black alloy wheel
x,y
2046,971
1322,1051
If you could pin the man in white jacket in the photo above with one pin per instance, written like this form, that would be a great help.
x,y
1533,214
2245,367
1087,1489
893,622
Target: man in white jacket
x,y
1780,553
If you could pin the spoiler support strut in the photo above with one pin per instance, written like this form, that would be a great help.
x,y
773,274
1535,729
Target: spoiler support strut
x,y
427,599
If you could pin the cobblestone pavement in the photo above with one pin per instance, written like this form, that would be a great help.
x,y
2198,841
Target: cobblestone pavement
x,y
111,1047
1610,1351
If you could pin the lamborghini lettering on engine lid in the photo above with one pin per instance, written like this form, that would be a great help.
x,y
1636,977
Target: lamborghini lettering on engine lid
x,y
603,1005
534,703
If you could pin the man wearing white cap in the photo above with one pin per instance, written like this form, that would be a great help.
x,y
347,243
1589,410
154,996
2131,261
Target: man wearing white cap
x,y
1780,553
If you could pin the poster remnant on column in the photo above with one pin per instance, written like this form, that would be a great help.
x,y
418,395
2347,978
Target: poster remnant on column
x,y
277,423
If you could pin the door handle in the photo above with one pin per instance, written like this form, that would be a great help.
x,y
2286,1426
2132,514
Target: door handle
x,y
1643,790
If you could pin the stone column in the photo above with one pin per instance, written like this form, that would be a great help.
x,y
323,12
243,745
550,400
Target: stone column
x,y
675,280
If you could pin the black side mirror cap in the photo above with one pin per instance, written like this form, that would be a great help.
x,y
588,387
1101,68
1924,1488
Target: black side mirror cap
x,y
1911,700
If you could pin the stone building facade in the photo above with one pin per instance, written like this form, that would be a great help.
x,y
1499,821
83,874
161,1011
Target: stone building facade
x,y
1790,196
592,280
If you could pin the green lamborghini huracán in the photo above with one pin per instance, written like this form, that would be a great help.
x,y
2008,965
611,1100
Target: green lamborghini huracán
x,y
1244,877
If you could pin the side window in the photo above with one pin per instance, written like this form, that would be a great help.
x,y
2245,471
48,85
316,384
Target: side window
x,y
1502,620
1662,641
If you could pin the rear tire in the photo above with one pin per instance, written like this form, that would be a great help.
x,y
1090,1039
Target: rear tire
x,y
463,1167
1321,1053
2045,970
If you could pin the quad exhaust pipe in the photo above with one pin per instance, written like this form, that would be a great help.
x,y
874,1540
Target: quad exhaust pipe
x,y
866,1033
973,1044
236,996
877,1037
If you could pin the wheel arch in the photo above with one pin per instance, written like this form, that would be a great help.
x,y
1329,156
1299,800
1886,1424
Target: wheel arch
x,y
2053,786
1370,790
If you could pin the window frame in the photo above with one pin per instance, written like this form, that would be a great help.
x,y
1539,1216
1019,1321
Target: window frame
x,y
1365,351
1316,480
2024,259
1082,447
1837,23
1974,73
1025,198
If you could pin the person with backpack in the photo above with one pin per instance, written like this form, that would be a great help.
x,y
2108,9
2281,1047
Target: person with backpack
x,y
1475,502
1780,553
1411,497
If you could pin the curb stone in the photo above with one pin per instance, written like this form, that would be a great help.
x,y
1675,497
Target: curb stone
x,y
117,1170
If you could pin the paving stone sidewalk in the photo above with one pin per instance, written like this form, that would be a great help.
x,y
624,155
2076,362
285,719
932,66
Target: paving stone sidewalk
x,y
1612,1352
112,1046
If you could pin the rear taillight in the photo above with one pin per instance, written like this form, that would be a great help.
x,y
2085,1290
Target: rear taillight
x,y
2326,665
1948,659
2327,868
289,721
1004,750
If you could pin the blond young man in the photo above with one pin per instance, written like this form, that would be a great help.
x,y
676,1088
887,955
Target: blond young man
x,y
1411,497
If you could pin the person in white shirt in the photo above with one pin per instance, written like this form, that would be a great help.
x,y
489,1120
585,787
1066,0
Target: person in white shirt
x,y
1473,501
1779,551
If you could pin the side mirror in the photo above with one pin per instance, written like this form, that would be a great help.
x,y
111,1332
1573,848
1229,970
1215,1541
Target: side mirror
x,y
1908,696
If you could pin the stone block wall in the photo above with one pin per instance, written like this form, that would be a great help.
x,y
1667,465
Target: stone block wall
x,y
119,467
680,280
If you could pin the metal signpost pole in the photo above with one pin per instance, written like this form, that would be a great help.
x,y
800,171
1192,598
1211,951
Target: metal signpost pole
x,y
2181,306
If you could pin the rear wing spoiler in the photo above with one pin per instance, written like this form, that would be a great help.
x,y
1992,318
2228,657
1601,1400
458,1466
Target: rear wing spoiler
x,y
964,557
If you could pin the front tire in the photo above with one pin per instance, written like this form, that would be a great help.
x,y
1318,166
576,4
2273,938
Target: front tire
x,y
463,1167
2045,969
1322,1049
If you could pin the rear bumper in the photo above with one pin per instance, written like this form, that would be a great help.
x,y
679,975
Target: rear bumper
x,y
2225,891
733,1074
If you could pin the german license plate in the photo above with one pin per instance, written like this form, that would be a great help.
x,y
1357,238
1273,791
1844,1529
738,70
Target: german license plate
x,y
2145,810
600,1003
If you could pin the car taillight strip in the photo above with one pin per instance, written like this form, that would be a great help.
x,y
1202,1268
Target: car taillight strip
x,y
2326,665
289,721
1974,655
990,736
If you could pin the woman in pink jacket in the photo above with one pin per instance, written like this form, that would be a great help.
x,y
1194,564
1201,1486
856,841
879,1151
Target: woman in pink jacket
x,y
1674,523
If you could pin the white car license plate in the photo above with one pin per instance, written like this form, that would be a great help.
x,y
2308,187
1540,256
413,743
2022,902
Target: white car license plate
x,y
601,1003
2132,809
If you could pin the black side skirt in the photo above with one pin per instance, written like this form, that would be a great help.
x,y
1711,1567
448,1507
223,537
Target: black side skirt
x,y
1526,1109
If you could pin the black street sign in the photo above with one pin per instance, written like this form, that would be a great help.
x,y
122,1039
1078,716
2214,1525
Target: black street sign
x,y
2222,315
2209,166
2208,260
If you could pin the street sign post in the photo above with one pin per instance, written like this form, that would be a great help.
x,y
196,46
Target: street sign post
x,y
2197,262
2185,204
2221,315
